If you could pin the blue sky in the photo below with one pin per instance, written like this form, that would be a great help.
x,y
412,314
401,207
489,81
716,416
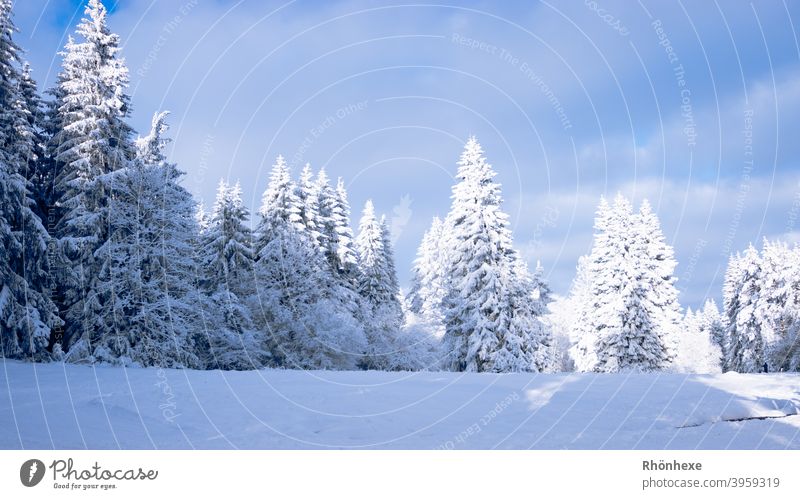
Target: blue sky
x,y
689,104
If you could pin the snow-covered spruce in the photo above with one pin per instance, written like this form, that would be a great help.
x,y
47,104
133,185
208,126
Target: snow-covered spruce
x,y
490,324
376,282
629,319
145,287
696,351
428,284
232,340
91,141
745,345
27,313
762,309
309,315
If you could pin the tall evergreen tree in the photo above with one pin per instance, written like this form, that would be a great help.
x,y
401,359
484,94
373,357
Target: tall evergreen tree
x,y
227,269
745,346
305,192
627,314
581,303
280,206
393,283
304,308
335,234
712,323
92,140
38,174
146,278
377,283
542,294
428,283
375,279
484,282
658,262
27,313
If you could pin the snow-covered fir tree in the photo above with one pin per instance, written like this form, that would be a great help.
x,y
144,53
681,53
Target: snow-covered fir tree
x,y
391,266
306,194
580,304
227,280
488,318
632,323
201,218
333,224
306,311
696,351
149,307
27,313
527,338
341,237
559,318
92,141
428,284
658,261
38,172
745,345
778,308
376,281
280,206
712,323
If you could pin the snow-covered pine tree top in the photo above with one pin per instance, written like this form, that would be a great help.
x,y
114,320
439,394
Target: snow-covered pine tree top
x,y
92,137
345,249
307,199
228,254
388,257
731,284
374,279
746,345
428,286
369,242
280,208
542,294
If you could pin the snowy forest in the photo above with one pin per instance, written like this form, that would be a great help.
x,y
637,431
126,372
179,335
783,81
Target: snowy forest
x,y
107,258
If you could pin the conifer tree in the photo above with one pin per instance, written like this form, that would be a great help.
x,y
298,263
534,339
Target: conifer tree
x,y
485,281
149,306
303,307
711,321
630,313
91,141
377,284
428,283
27,313
745,347
226,249
305,192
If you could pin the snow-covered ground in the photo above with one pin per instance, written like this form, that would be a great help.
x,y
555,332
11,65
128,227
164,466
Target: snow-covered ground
x,y
68,406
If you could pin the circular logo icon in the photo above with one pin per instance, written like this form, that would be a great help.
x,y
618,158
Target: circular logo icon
x,y
31,472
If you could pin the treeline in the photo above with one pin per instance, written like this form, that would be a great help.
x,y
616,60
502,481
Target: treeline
x,y
108,259
622,311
